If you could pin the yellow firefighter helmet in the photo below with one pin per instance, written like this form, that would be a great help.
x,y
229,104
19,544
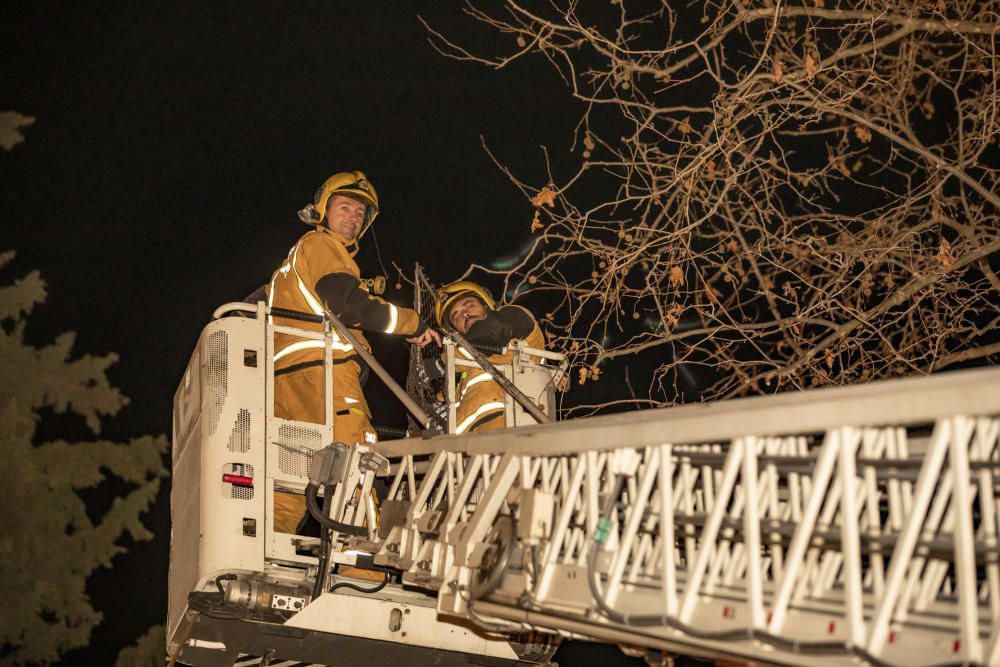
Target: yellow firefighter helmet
x,y
347,183
449,295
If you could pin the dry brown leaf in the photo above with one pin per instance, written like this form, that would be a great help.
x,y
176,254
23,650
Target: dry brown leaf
x,y
863,134
583,376
684,126
536,223
673,315
840,165
778,70
676,276
810,67
545,197
829,358
944,257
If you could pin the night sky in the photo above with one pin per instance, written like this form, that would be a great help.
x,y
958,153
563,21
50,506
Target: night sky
x,y
172,147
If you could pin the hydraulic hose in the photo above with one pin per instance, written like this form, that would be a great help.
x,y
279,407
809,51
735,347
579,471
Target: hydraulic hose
x,y
355,587
324,552
312,490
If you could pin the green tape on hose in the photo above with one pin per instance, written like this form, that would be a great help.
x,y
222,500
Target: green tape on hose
x,y
603,530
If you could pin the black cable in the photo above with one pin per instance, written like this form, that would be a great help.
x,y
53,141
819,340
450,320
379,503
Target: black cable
x,y
223,577
378,253
311,492
324,551
355,587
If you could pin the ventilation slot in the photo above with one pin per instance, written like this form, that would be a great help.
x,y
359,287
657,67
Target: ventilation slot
x,y
216,377
295,447
239,439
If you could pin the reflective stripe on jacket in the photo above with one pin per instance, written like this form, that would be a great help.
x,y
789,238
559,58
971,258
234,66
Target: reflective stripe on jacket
x,y
481,398
320,275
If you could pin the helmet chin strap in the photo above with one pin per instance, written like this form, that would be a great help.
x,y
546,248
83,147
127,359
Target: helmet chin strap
x,y
378,253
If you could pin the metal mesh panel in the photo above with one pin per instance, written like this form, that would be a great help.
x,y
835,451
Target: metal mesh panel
x,y
216,377
188,400
239,439
242,492
295,447
418,384
550,401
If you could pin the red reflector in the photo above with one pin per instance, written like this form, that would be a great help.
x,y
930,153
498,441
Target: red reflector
x,y
238,480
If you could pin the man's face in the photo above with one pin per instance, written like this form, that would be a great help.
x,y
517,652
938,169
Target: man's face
x,y
344,216
465,312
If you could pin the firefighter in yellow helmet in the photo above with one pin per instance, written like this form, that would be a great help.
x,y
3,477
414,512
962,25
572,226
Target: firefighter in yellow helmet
x,y
469,308
320,275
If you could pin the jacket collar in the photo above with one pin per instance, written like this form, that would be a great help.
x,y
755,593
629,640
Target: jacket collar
x,y
350,247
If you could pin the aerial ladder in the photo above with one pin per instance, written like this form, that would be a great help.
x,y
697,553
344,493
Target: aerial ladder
x,y
837,526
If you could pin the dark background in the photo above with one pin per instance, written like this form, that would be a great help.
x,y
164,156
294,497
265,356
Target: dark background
x,y
174,144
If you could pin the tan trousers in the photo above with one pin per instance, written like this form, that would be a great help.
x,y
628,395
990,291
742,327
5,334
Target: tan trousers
x,y
299,396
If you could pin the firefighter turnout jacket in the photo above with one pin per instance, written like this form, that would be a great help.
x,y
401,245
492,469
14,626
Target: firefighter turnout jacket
x,y
481,399
321,275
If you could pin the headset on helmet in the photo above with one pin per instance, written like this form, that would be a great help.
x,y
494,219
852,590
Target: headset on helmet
x,y
449,295
347,183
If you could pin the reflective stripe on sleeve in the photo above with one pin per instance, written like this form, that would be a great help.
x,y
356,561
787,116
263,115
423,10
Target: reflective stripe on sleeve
x,y
393,319
480,411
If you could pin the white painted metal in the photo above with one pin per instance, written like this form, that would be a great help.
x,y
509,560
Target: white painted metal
x,y
369,616
823,527
224,423
809,541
